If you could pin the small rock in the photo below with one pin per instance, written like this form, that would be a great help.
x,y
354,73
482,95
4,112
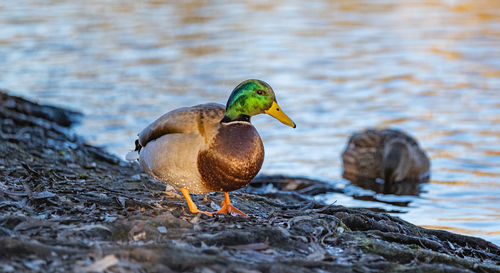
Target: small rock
x,y
101,264
214,206
207,270
139,236
35,264
92,165
162,229
196,219
110,219
137,232
135,178
7,268
452,247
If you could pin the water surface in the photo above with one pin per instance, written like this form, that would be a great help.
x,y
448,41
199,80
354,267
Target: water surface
x,y
431,68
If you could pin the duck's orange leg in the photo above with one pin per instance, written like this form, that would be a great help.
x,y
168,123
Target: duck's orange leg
x,y
192,206
227,208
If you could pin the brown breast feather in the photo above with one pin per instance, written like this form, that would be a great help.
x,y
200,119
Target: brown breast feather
x,y
234,157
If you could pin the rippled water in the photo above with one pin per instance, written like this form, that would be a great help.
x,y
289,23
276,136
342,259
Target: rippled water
x,y
429,67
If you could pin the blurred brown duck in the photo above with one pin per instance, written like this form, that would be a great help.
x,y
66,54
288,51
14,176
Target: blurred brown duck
x,y
388,154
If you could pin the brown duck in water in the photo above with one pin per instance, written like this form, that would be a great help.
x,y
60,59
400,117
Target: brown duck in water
x,y
387,154
209,147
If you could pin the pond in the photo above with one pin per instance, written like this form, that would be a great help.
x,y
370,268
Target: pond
x,y
431,68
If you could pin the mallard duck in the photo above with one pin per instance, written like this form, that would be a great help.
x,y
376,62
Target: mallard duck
x,y
209,147
387,154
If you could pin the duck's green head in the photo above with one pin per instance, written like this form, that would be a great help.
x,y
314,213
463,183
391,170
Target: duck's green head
x,y
253,97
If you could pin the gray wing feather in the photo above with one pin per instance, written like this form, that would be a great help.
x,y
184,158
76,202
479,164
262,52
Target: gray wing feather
x,y
181,120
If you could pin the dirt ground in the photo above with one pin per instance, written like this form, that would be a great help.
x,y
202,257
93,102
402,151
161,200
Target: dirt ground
x,y
66,206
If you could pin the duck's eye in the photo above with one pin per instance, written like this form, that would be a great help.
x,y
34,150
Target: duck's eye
x,y
260,92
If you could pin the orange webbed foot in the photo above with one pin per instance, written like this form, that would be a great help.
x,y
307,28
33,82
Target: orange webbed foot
x,y
200,211
192,206
227,208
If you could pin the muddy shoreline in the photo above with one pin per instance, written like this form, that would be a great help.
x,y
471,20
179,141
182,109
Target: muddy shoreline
x,y
66,206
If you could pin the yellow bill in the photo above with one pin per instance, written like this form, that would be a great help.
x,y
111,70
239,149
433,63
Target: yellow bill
x,y
276,113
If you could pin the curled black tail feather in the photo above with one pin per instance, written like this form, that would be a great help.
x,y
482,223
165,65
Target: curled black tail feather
x,y
138,146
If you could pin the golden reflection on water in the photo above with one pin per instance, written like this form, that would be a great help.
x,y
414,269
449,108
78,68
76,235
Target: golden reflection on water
x,y
491,185
462,230
451,183
475,172
472,219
